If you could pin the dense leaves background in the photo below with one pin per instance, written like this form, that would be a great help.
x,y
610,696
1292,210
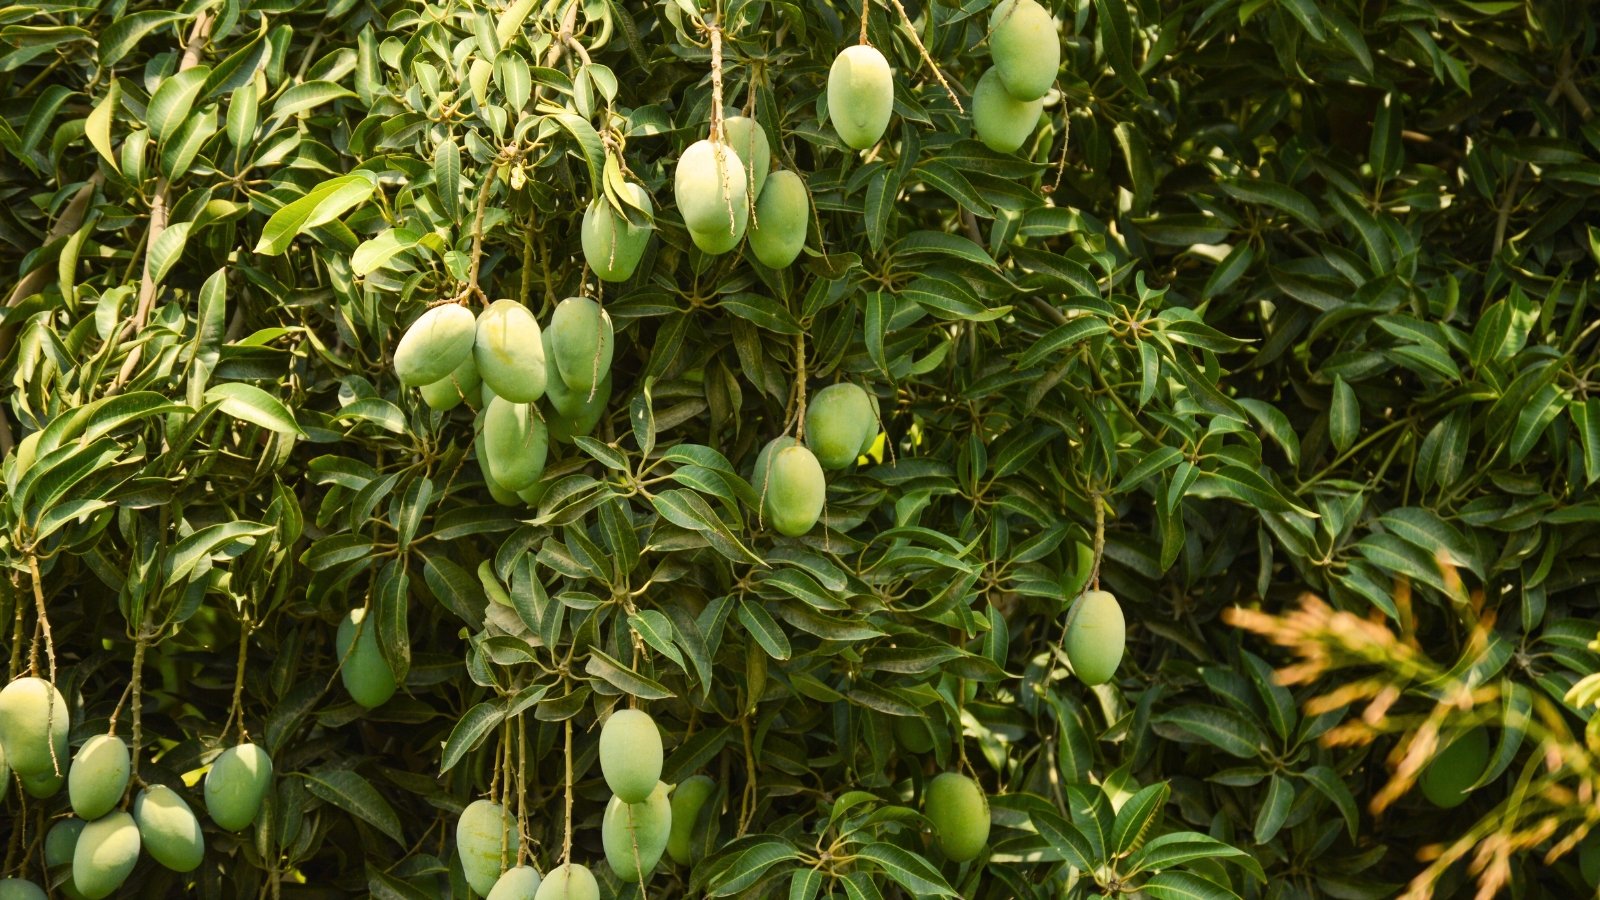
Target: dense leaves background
x,y
1306,306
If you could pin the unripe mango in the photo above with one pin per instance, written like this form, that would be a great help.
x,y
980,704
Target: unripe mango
x,y
760,479
60,843
1001,121
630,754
34,721
509,353
913,734
688,800
860,95
169,829
720,240
1455,769
710,187
514,444
796,490
635,834
960,815
45,785
779,232
498,493
1025,48
482,831
364,671
105,855
748,139
518,883
611,244
1096,634
569,881
99,776
837,422
587,414
18,889
434,344
582,341
236,785
448,392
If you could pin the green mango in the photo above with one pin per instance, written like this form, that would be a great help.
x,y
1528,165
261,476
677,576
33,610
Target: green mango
x,y
497,492
709,186
448,392
630,754
748,139
582,341
169,829
364,671
483,830
1025,47
795,491
860,95
782,213
1000,121
611,244
960,815
688,800
60,842
1096,634
34,721
434,344
569,881
635,834
913,734
236,785
105,855
838,421
509,352
98,777
45,785
760,478
518,883
18,889
514,444
1449,776
720,240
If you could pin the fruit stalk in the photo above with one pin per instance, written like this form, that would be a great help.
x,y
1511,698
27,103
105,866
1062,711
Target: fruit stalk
x,y
137,679
49,650
16,627
800,385
717,132
1099,537
926,57
566,833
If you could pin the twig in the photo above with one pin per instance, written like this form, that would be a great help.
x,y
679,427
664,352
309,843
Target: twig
x,y
1099,536
50,652
566,834
915,39
866,5
800,385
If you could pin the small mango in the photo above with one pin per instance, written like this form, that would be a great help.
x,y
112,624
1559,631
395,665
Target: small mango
x,y
362,668
518,883
710,187
514,444
236,785
60,843
779,232
796,490
838,422
434,344
105,855
1448,777
508,352
613,246
448,392
18,889
1096,635
748,139
688,800
582,342
482,832
1025,48
1002,122
169,829
98,777
960,815
569,881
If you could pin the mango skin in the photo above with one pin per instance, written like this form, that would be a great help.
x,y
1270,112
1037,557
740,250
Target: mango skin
x,y
1025,48
630,754
509,353
17,889
1001,121
688,799
169,829
708,183
5,775
913,734
498,493
518,883
60,842
720,240
434,344
1445,780
860,95
748,139
1096,635
644,827
782,211
479,840
960,815
611,244
45,786
98,777
582,341
514,444
760,479
570,881
26,704
837,422
106,853
587,414
236,785
364,671
448,392
796,490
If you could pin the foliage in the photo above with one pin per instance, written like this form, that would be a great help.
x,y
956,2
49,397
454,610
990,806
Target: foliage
x,y
1278,297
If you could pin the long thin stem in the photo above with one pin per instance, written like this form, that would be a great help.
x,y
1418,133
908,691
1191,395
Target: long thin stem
x,y
926,57
566,832
137,679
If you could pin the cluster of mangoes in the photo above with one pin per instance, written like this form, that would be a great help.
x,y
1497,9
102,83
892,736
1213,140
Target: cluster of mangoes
x,y
841,424
1005,103
502,362
644,819
724,187
100,842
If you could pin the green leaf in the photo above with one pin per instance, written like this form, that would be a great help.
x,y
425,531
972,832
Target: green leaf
x,y
761,626
251,404
328,201
1138,815
470,731
122,35
1224,729
306,96
1061,337
356,796
169,106
98,126
1344,416
1274,809
1185,886
1116,38
909,870
624,679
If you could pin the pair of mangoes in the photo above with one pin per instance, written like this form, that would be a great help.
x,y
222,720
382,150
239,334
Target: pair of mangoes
x,y
1027,54
718,184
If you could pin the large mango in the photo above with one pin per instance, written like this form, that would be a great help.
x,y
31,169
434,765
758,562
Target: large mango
x,y
582,341
960,815
483,832
509,353
860,95
105,855
1096,634
434,344
1001,121
795,491
1025,47
98,777
169,829
569,881
236,786
34,721
710,187
839,421
782,212
612,245
514,444
518,883
630,754
362,668
635,834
